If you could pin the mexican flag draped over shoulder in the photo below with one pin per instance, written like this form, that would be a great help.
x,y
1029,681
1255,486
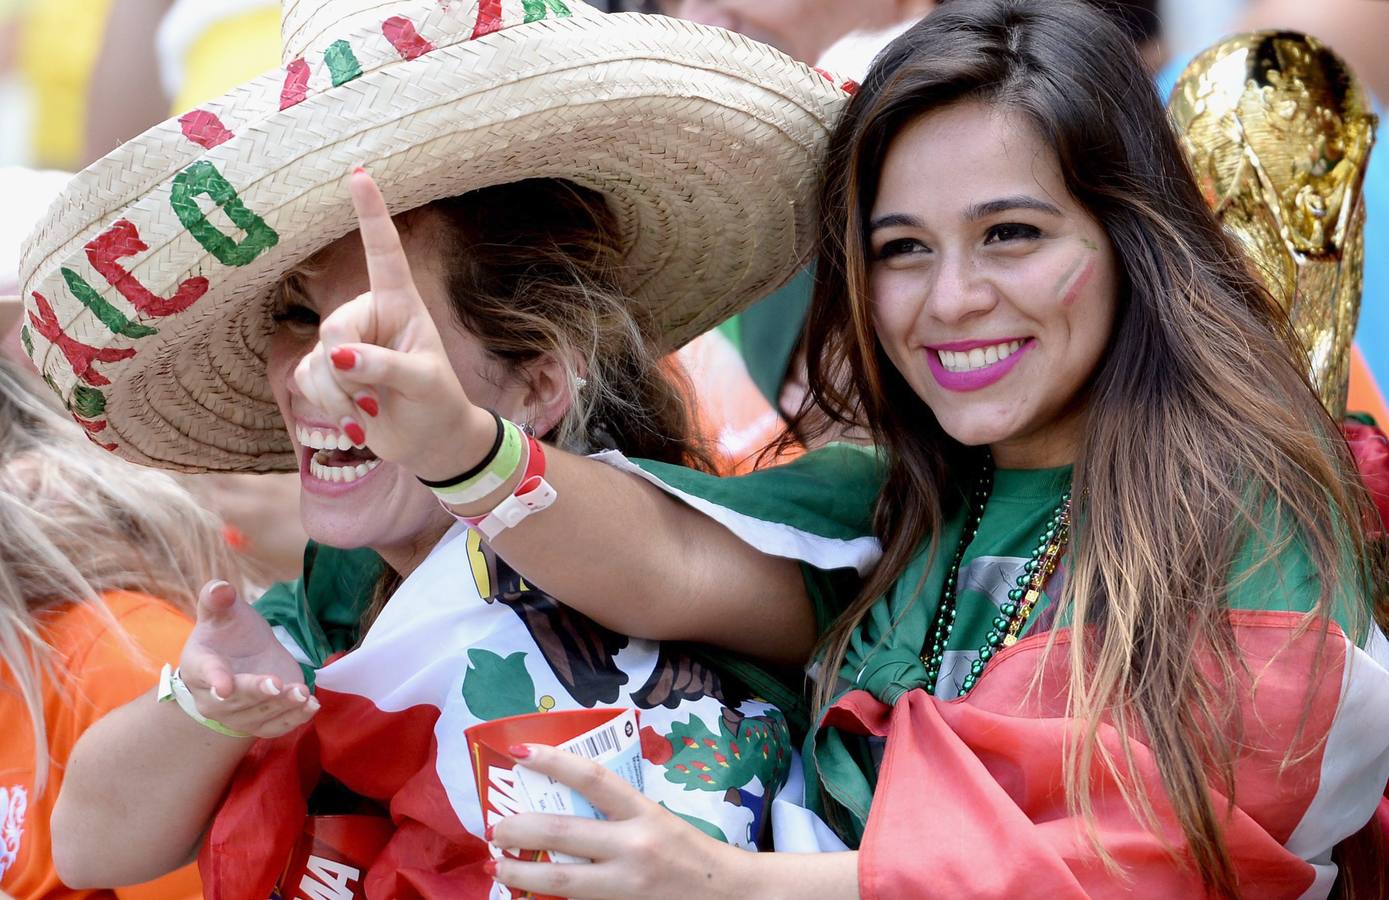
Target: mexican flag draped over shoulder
x,y
965,797
465,639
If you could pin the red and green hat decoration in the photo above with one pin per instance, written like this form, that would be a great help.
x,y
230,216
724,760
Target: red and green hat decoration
x,y
147,285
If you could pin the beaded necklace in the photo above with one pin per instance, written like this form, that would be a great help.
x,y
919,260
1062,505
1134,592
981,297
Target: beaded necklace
x,y
1013,615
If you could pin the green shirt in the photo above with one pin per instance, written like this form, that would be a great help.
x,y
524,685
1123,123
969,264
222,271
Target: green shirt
x,y
319,614
884,658
1270,571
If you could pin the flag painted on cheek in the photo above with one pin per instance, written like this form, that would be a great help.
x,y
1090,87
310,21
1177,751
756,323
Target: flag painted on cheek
x,y
1076,281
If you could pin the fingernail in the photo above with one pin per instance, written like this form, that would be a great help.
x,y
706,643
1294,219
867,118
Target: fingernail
x,y
343,358
519,751
487,835
216,695
312,705
354,432
298,694
367,404
358,171
490,868
268,687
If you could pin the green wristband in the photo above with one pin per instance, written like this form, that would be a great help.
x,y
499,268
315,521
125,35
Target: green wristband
x,y
495,472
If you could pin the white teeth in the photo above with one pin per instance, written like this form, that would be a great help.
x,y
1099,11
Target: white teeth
x,y
978,358
323,472
317,439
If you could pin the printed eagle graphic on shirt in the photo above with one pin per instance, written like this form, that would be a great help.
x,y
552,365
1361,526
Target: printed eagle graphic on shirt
x,y
582,654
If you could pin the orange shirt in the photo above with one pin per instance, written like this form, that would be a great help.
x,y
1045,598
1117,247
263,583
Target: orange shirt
x,y
101,670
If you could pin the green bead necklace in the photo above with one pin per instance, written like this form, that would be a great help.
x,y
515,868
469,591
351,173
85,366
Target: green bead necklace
x,y
1022,599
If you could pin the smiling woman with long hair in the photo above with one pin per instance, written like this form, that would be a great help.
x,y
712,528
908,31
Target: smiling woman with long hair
x,y
1203,486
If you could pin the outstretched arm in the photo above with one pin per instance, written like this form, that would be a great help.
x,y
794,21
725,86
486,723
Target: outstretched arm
x,y
612,546
143,783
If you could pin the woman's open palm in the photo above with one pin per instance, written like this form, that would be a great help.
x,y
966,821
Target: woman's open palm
x,y
238,672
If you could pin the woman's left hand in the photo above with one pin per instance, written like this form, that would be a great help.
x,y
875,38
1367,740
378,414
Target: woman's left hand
x,y
380,367
641,851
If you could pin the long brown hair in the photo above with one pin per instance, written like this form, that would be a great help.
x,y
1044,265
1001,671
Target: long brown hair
x,y
1199,400
534,268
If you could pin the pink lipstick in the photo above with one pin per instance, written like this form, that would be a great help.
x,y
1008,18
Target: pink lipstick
x,y
974,379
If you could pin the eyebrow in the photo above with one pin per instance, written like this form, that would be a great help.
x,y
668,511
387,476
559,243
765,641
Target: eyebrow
x,y
893,220
973,213
1003,204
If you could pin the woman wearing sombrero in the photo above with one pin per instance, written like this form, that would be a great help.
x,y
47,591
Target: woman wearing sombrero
x,y
575,195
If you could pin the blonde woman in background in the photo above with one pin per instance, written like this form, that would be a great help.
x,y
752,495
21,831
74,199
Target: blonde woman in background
x,y
100,564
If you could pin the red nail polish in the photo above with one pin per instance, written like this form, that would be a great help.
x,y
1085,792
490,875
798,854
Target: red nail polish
x,y
354,432
359,170
490,868
487,835
343,358
519,751
368,405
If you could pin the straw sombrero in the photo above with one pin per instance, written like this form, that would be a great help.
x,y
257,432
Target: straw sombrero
x,y
146,285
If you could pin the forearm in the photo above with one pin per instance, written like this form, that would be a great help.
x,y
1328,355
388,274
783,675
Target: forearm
x,y
796,876
140,788
641,562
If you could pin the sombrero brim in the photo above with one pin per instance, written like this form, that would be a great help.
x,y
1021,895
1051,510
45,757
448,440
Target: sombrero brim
x,y
706,145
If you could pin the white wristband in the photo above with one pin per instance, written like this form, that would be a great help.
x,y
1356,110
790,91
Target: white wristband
x,y
511,511
171,687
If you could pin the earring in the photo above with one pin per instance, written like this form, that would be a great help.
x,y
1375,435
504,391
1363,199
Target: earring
x,y
528,428
580,382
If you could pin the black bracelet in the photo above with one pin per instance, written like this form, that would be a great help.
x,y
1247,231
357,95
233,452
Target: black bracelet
x,y
477,469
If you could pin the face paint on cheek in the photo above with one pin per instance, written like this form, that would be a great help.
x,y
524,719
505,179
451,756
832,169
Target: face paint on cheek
x,y
1076,280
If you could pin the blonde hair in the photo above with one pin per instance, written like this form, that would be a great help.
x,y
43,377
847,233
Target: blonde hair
x,y
77,522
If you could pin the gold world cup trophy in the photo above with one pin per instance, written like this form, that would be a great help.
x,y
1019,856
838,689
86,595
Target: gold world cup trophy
x,y
1279,131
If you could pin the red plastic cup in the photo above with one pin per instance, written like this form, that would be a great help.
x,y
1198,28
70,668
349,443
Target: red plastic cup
x,y
609,736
